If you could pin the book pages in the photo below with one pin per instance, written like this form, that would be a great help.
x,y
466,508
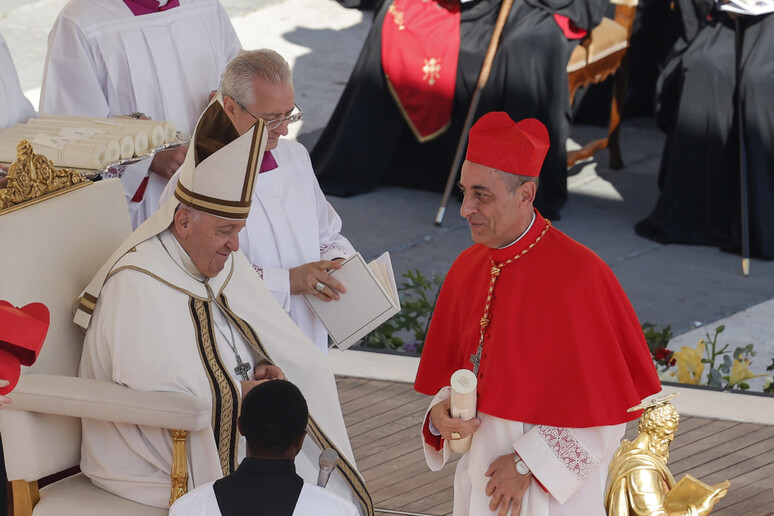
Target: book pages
x,y
371,299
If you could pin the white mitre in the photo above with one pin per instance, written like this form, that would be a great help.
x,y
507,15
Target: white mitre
x,y
217,177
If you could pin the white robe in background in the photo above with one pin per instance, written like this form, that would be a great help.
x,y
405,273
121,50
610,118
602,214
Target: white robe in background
x,y
15,108
290,224
104,61
142,335
571,463
313,501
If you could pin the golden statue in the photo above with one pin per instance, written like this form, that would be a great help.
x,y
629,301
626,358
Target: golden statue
x,y
639,482
32,176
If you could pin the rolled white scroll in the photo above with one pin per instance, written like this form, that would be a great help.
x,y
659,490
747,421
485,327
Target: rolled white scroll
x,y
90,156
463,404
153,131
125,143
168,128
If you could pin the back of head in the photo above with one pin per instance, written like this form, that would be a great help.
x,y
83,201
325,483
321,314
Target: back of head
x,y
248,65
274,416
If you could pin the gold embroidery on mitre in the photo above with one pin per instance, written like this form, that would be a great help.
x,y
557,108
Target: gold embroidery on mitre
x,y
33,176
432,70
397,16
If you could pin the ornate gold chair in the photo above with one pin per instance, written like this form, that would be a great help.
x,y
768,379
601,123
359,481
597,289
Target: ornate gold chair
x,y
594,60
51,248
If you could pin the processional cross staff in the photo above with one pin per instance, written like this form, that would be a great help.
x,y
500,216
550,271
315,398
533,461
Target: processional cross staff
x,y
483,77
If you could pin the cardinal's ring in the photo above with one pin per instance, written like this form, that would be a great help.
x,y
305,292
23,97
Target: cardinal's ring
x,y
320,286
455,435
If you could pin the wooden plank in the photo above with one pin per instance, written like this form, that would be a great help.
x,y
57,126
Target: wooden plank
x,y
383,419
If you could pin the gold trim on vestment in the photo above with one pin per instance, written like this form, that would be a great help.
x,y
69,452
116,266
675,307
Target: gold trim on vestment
x,y
397,16
407,118
217,207
144,271
348,472
226,395
252,162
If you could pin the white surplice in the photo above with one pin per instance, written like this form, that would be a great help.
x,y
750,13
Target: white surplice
x,y
290,224
570,463
313,500
15,108
142,335
104,61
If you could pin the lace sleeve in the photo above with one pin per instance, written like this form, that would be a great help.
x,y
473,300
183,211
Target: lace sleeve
x,y
569,451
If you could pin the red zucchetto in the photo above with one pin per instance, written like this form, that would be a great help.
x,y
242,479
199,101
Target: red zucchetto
x,y
515,147
22,332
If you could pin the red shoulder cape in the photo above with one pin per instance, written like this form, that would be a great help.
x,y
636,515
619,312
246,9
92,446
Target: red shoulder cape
x,y
563,346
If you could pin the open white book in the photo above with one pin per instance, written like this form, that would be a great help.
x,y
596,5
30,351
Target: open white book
x,y
371,299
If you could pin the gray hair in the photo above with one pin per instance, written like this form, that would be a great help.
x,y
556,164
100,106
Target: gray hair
x,y
249,65
514,181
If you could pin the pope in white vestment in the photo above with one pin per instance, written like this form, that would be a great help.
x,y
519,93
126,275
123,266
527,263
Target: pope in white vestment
x,y
157,323
15,108
105,61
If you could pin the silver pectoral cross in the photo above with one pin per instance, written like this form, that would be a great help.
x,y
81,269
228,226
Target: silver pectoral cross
x,y
242,368
476,359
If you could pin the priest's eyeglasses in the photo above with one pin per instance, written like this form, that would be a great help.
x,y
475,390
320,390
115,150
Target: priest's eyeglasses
x,y
292,118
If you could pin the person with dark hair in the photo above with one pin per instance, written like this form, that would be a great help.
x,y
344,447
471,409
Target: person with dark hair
x,y
551,412
273,421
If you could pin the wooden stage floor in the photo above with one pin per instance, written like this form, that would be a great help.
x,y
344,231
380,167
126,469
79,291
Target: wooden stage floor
x,y
383,421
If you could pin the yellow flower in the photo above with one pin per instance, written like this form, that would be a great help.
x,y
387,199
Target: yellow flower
x,y
740,373
689,364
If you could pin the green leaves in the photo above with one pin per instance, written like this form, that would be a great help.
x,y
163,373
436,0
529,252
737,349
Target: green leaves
x,y
417,300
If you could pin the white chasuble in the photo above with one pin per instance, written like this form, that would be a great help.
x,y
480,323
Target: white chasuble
x,y
290,224
15,108
570,463
157,328
104,61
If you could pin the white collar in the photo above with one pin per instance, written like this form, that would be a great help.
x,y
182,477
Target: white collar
x,y
525,232
179,255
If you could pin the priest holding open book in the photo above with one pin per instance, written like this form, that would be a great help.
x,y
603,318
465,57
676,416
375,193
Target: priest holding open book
x,y
553,343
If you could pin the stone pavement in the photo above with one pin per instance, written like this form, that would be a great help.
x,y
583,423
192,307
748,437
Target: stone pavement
x,y
684,286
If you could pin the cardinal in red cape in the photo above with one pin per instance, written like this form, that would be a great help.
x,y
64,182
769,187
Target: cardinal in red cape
x,y
557,349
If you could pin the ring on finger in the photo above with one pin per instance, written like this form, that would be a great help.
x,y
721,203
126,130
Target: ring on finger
x,y
455,435
320,286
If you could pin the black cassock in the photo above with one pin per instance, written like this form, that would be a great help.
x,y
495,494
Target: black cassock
x,y
699,175
367,142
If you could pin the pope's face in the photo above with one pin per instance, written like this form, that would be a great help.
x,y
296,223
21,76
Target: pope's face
x,y
273,101
496,216
209,241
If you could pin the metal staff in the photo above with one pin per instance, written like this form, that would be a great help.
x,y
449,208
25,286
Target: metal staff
x,y
742,152
483,76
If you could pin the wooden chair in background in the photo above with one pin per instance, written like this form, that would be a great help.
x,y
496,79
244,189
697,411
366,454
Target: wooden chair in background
x,y
599,56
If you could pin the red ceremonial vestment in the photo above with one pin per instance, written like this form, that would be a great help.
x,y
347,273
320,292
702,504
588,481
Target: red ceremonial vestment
x,y
563,346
